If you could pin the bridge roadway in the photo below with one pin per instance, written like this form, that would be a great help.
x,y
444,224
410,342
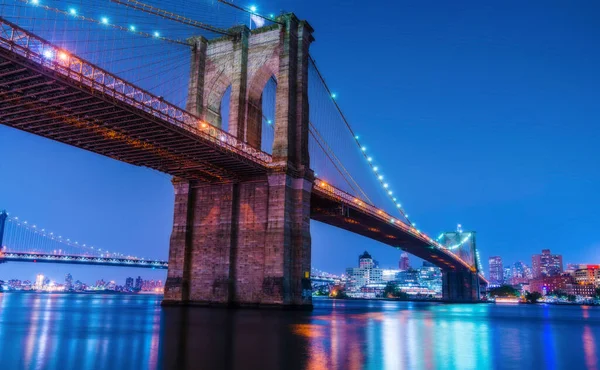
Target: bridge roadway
x,y
81,260
51,93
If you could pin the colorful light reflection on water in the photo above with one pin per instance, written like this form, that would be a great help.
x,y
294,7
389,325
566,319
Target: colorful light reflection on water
x,y
62,331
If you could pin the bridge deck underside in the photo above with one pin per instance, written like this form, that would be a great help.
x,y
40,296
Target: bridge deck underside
x,y
333,212
45,103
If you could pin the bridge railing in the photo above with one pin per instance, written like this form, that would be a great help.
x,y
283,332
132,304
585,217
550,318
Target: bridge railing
x,y
42,52
330,190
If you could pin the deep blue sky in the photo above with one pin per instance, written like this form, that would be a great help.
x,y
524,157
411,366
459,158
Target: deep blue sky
x,y
487,114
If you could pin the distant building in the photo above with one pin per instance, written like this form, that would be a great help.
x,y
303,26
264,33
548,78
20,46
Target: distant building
x,y
521,274
408,278
368,274
496,271
546,264
507,275
39,281
365,261
430,277
129,284
404,263
586,274
584,290
547,284
138,283
68,281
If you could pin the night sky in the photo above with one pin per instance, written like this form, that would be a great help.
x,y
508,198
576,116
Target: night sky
x,y
486,115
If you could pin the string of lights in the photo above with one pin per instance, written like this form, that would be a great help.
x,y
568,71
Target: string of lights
x,y
363,149
105,21
14,221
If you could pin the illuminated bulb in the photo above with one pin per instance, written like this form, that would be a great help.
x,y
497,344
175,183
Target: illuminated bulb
x,y
390,192
375,168
156,34
35,2
253,9
380,177
63,56
398,206
132,28
48,54
269,122
370,159
72,11
364,148
385,185
271,15
356,137
334,95
104,20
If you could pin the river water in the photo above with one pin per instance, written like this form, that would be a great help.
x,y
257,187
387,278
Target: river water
x,y
84,331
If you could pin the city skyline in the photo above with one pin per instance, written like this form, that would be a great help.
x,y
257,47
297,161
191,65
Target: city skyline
x,y
552,172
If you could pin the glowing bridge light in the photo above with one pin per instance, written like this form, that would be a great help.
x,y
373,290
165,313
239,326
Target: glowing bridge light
x,y
63,56
156,34
253,9
132,28
398,206
35,2
271,15
370,159
375,168
364,148
104,20
334,95
269,122
380,177
386,185
47,54
356,137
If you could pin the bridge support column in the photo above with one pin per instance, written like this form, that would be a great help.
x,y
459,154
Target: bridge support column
x,y
248,243
245,244
460,286
3,217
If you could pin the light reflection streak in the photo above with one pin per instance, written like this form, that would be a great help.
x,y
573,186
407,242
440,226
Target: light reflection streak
x,y
589,348
392,348
32,332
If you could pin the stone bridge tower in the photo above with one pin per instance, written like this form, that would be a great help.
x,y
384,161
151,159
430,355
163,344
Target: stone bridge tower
x,y
248,242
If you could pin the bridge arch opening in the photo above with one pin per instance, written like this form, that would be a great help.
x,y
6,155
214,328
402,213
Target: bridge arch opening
x,y
260,117
224,109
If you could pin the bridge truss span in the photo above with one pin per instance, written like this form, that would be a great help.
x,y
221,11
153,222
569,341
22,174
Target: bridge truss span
x,y
81,260
50,92
332,205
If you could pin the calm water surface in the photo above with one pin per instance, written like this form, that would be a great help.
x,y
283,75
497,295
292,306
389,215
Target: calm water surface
x,y
60,331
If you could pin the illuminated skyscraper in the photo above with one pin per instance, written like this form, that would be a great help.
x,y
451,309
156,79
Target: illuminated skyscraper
x,y
521,273
39,281
404,263
546,264
496,271
365,260
68,281
129,284
139,282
